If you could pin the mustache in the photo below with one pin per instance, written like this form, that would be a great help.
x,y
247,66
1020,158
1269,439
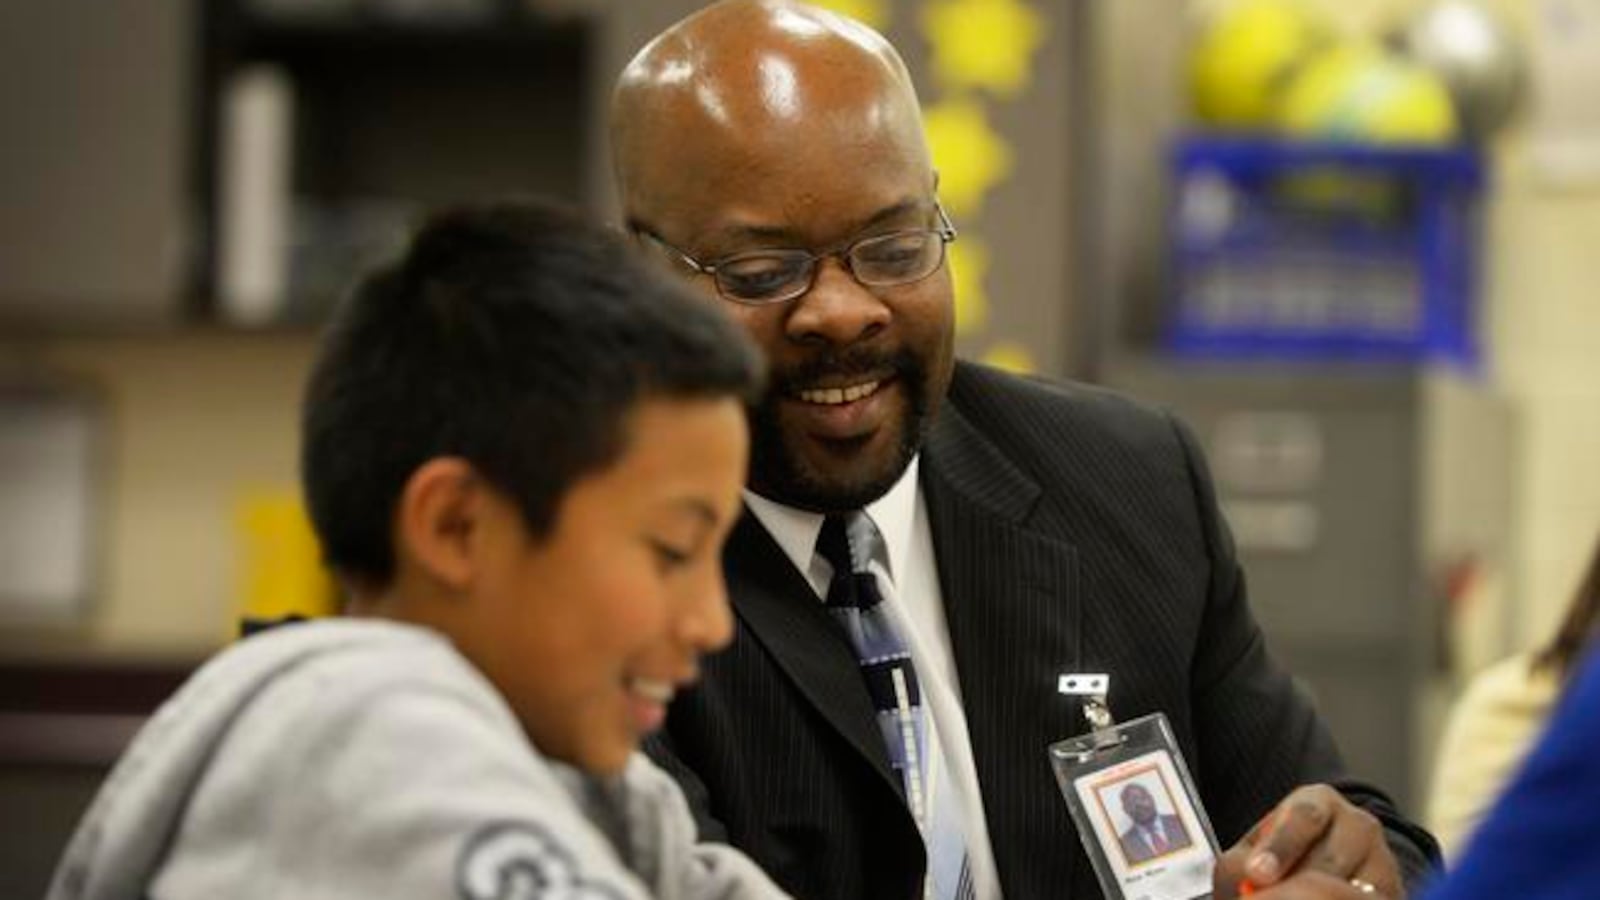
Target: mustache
x,y
845,364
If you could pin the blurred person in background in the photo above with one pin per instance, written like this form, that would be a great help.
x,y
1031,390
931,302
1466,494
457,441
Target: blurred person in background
x,y
1007,530
1539,839
1499,716
522,451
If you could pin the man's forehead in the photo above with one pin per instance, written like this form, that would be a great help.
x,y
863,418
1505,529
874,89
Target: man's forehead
x,y
711,179
832,224
794,208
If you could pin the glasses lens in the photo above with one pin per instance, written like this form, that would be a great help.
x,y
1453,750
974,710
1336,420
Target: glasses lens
x,y
764,277
897,258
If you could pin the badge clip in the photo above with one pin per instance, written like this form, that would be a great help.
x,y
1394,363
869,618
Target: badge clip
x,y
1093,688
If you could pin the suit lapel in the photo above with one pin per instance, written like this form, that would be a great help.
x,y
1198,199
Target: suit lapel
x,y
1013,612
784,615
1136,846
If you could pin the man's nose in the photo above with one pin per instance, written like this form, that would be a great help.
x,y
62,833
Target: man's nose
x,y
838,310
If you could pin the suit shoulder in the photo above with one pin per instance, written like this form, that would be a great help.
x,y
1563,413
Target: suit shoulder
x,y
1025,413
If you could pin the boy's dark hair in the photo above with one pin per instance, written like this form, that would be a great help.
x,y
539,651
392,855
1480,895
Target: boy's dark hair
x,y
515,336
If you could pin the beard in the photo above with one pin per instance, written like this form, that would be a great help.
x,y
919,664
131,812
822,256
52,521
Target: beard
x,y
853,474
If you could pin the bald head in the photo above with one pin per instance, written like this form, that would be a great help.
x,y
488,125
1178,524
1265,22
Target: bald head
x,y
746,84
758,128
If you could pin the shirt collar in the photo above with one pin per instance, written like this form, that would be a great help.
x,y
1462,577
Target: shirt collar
x,y
796,530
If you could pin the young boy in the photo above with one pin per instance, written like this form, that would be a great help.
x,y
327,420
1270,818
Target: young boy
x,y
522,452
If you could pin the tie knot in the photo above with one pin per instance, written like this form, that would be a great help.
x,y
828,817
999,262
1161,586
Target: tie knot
x,y
848,542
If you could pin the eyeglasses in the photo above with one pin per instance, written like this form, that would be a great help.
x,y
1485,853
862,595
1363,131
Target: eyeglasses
x,y
763,277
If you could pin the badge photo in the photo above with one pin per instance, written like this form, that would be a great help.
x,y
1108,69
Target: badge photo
x,y
1133,803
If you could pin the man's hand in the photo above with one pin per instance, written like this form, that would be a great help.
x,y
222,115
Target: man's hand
x,y
1314,845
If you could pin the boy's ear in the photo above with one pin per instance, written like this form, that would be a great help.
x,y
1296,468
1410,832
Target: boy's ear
x,y
439,515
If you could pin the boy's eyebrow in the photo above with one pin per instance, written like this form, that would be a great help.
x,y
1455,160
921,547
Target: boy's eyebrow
x,y
699,507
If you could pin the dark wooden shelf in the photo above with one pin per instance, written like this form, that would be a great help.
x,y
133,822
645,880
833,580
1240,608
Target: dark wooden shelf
x,y
254,37
396,114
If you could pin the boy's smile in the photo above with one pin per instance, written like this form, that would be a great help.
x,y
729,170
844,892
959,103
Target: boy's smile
x,y
589,630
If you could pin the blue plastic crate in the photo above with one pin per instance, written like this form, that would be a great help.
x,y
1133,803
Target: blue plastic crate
x,y
1323,251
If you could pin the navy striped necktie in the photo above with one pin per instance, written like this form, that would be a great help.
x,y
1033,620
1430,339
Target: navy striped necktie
x,y
850,544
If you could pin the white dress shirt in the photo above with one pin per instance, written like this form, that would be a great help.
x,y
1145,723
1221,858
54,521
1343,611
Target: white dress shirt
x,y
901,517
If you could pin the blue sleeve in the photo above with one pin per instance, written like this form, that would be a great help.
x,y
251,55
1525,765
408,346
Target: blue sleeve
x,y
1540,839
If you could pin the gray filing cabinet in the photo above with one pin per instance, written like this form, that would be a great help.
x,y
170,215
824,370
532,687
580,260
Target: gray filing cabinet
x,y
1348,491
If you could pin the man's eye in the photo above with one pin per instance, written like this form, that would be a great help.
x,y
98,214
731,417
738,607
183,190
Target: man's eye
x,y
903,251
753,277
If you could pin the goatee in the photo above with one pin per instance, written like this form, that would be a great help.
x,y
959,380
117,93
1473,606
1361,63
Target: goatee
x,y
779,471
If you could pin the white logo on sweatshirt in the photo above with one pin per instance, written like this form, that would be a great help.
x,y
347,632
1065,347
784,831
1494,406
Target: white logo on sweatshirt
x,y
522,861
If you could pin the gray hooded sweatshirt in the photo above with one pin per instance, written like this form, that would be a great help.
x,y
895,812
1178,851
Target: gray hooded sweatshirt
x,y
355,759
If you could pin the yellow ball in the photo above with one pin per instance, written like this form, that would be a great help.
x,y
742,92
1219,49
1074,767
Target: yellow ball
x,y
1357,92
1244,51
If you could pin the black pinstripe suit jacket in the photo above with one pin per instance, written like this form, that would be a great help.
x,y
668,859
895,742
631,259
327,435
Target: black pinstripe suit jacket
x,y
1075,531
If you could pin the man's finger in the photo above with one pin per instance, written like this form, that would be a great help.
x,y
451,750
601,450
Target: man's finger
x,y
1312,885
1349,844
1299,824
1261,827
1230,872
1381,871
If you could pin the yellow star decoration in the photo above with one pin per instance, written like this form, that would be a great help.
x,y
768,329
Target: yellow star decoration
x,y
970,156
1011,356
872,13
969,263
983,43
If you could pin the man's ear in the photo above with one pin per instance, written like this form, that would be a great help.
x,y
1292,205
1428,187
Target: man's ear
x,y
440,514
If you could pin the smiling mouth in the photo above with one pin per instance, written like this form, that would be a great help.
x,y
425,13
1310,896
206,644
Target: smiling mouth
x,y
653,689
838,396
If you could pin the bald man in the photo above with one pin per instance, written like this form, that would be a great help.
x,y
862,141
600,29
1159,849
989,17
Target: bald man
x,y
996,532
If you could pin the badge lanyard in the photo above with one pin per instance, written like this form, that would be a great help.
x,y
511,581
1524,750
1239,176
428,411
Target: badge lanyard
x,y
1135,806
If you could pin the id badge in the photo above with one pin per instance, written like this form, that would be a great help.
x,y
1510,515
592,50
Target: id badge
x,y
1133,802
